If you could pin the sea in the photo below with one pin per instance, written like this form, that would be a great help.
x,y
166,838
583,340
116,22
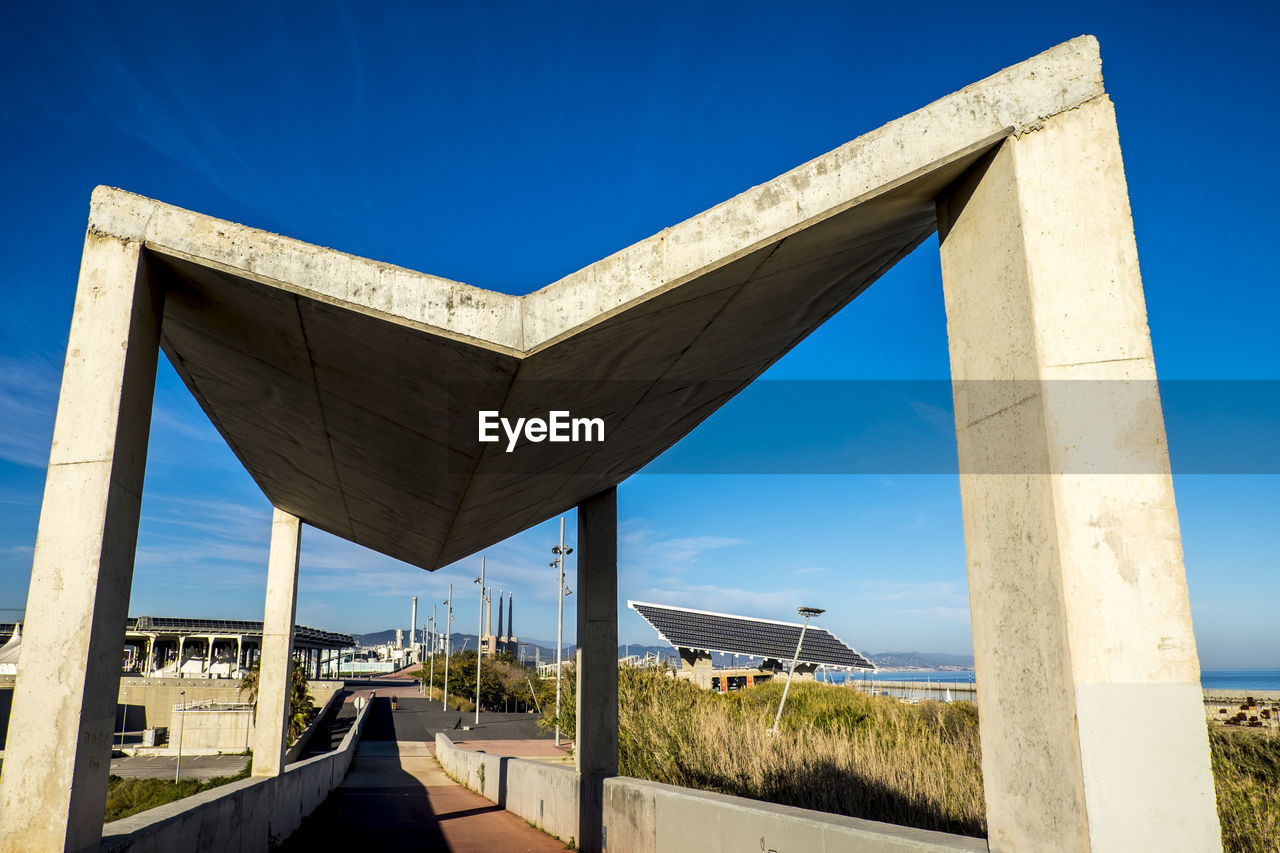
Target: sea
x,y
1220,679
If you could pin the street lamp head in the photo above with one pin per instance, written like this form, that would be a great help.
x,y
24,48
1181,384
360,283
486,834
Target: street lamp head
x,y
810,611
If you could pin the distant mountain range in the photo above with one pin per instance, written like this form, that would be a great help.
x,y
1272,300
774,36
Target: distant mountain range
x,y
921,660
544,650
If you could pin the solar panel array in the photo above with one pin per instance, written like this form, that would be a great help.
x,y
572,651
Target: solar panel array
x,y
301,633
742,635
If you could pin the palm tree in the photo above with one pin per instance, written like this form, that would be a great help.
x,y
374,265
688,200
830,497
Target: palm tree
x,y
301,708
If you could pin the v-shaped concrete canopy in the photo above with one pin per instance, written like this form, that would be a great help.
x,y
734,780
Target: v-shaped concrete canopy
x,y
350,388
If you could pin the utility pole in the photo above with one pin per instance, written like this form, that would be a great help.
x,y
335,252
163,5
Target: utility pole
x,y
806,612
480,642
560,551
182,722
448,648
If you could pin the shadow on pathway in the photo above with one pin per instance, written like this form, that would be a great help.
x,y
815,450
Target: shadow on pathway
x,y
396,794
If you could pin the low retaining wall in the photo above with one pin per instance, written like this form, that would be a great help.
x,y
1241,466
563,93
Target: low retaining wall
x,y
647,817
546,795
248,816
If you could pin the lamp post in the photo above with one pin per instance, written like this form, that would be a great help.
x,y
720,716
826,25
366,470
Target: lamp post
x,y
182,721
807,613
561,552
480,638
432,650
448,642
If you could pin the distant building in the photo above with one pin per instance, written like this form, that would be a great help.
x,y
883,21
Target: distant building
x,y
503,642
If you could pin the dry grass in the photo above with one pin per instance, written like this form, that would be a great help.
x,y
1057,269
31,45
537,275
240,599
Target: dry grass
x,y
1246,774
837,751
845,752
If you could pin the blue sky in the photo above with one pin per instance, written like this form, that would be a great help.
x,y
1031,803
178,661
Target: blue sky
x,y
506,145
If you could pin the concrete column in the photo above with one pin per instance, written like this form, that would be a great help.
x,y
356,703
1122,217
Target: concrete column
x,y
596,752
271,720
1092,720
54,784
698,665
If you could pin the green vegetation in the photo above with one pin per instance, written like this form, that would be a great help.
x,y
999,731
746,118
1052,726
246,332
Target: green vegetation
x,y
130,796
504,683
845,752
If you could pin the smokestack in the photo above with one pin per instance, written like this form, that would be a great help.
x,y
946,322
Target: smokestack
x,y
500,634
488,617
413,621
511,625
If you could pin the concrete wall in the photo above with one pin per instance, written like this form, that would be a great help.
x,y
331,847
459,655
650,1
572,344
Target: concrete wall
x,y
546,795
211,730
149,701
249,816
646,817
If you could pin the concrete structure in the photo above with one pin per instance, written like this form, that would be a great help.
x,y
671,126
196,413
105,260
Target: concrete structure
x,y
183,647
504,641
218,648
311,365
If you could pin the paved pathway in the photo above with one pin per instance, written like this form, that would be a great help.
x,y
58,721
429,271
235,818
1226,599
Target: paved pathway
x,y
202,767
396,797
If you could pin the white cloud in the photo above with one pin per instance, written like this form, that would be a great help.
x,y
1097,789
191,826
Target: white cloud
x,y
917,598
775,603
643,546
28,401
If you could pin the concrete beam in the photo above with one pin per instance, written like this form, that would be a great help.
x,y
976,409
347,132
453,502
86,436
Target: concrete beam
x,y
54,786
271,723
1093,733
653,338
596,752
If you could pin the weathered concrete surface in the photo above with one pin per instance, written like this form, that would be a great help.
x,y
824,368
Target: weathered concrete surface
x,y
1093,734
275,671
54,784
299,353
